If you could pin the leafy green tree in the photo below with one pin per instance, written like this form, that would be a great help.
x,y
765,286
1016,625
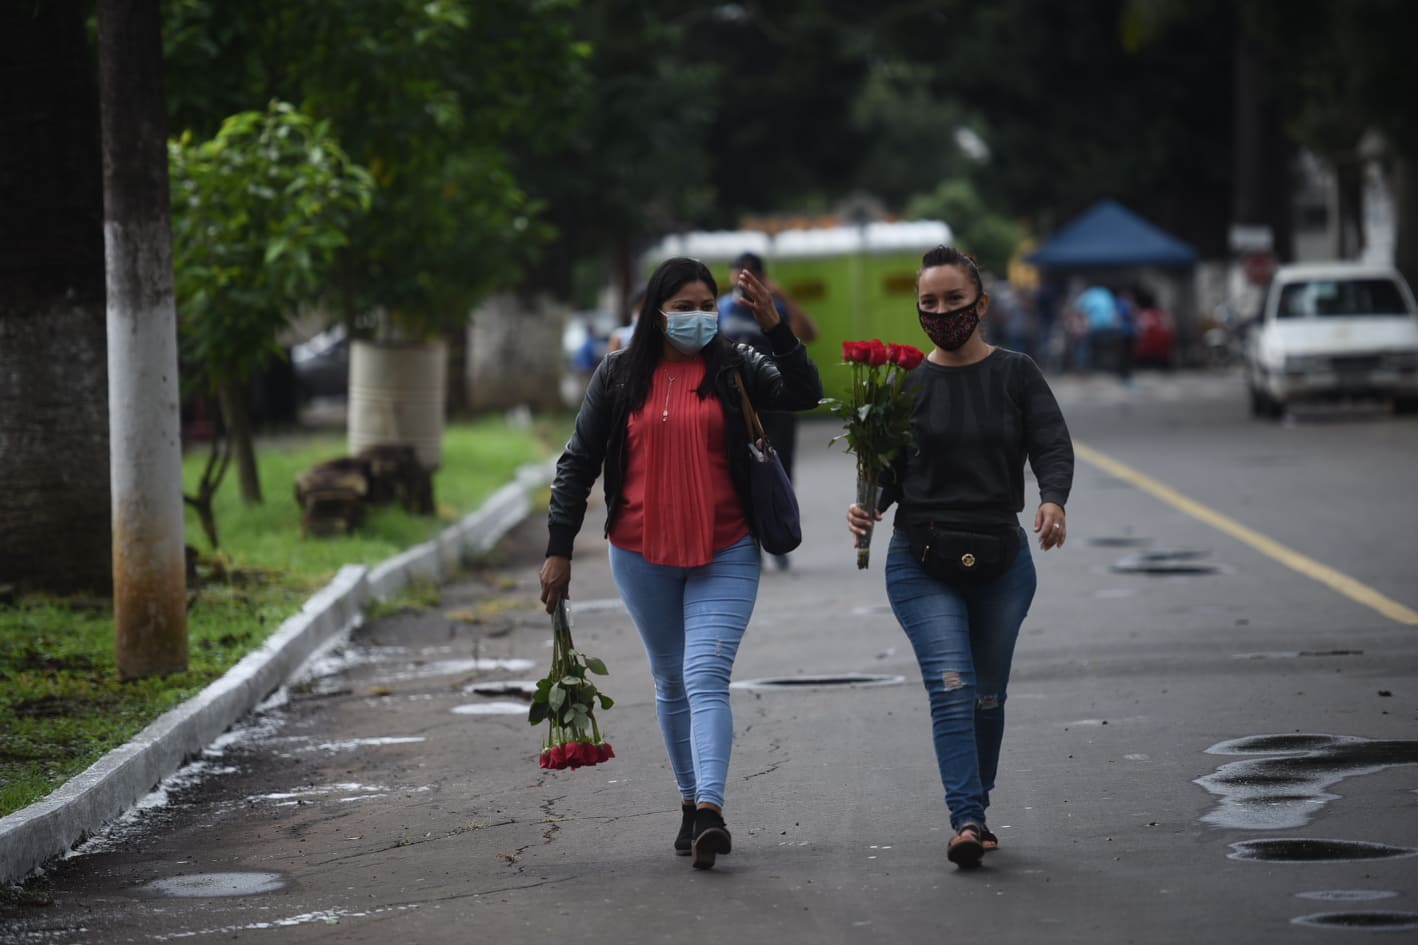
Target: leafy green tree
x,y
258,214
426,94
988,236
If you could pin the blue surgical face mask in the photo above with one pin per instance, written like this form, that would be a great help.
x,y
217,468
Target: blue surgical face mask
x,y
689,332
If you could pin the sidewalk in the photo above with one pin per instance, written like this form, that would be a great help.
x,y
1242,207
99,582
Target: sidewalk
x,y
113,784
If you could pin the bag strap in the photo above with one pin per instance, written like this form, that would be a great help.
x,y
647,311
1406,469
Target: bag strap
x,y
755,426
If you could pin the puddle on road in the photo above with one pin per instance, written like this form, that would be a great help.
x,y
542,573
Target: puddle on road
x,y
213,885
1306,850
1166,563
491,708
1288,787
1118,541
458,667
1347,895
349,744
1360,921
325,917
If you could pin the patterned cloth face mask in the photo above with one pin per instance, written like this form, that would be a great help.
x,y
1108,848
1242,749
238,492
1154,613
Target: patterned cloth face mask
x,y
950,330
689,332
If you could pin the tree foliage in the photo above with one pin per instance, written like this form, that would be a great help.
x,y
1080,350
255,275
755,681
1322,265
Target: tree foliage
x,y
427,95
258,212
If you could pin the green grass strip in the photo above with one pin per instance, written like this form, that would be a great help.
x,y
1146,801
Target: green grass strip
x,y
61,704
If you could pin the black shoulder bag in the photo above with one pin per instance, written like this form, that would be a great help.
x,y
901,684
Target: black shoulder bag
x,y
776,521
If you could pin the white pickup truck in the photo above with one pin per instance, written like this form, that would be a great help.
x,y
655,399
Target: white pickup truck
x,y
1332,331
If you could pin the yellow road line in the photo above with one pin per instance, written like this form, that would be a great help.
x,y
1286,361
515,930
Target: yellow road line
x,y
1309,567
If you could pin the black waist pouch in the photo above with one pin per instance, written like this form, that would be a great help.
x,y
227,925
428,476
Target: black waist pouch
x,y
964,557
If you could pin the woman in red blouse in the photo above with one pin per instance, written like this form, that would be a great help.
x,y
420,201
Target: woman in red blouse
x,y
662,425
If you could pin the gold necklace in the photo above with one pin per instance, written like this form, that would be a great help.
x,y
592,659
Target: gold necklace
x,y
665,414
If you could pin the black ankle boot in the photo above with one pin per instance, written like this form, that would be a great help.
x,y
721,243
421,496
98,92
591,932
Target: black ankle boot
x,y
711,838
685,838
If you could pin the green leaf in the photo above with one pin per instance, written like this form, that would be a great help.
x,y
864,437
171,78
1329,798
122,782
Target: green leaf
x,y
606,701
538,713
557,697
597,666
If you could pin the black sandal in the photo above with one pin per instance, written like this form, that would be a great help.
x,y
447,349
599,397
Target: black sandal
x,y
988,840
966,848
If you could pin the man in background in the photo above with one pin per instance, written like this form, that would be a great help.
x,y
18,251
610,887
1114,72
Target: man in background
x,y
737,322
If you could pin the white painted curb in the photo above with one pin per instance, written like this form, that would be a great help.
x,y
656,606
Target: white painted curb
x,y
52,825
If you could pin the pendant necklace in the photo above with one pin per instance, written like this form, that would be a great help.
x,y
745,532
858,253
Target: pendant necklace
x,y
665,414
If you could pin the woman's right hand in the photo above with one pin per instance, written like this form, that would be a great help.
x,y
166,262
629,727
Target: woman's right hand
x,y
859,523
556,580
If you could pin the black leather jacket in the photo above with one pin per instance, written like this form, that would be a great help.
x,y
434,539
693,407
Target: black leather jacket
x,y
786,381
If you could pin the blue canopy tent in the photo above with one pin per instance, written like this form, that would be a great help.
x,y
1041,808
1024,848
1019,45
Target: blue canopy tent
x,y
1110,236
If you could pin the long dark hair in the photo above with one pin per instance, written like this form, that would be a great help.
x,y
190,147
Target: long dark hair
x,y
647,344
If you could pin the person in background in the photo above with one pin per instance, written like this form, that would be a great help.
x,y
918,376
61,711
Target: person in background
x,y
662,425
979,413
622,335
737,322
1127,333
1097,327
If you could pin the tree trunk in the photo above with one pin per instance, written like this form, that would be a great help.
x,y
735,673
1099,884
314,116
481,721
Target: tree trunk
x,y
54,505
1405,211
232,398
149,559
1349,206
1261,184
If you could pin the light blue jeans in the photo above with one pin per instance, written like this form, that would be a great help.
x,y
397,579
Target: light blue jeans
x,y
691,621
964,643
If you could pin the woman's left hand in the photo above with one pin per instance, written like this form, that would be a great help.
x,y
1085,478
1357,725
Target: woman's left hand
x,y
757,297
1049,525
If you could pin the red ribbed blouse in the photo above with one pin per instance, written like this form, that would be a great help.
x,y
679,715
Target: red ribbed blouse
x,y
680,504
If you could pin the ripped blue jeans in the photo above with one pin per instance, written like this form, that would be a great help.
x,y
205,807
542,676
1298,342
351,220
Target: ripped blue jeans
x,y
964,643
691,621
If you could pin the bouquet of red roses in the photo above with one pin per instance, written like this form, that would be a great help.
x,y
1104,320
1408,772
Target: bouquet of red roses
x,y
566,700
877,416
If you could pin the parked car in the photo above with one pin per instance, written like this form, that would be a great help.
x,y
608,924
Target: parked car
x,y
322,364
1333,331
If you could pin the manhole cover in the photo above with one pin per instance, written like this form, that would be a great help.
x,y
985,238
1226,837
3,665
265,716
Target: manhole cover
x,y
519,688
1166,563
812,682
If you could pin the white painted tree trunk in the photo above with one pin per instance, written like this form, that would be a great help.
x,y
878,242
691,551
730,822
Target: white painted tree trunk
x,y
514,354
149,564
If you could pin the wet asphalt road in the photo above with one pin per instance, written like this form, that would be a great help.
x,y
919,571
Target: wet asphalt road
x,y
388,800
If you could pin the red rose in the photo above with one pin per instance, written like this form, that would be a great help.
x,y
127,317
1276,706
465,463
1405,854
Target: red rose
x,y
908,357
876,353
606,752
545,759
854,352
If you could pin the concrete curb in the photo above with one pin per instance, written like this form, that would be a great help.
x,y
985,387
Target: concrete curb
x,y
52,825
